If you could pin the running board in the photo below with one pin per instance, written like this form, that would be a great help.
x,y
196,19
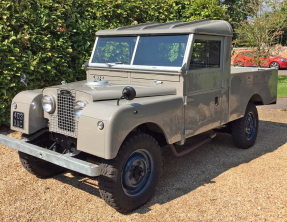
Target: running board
x,y
187,150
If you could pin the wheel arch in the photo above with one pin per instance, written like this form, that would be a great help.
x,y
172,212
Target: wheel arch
x,y
256,99
153,129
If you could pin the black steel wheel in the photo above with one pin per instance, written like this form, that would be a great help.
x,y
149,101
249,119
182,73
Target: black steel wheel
x,y
129,181
244,130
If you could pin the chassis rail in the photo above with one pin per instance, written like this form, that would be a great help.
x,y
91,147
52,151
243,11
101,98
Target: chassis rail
x,y
64,160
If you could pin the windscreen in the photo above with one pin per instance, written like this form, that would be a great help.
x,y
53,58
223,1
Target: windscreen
x,y
114,50
161,50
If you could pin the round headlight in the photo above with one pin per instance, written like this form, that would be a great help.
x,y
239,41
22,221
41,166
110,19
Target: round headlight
x,y
48,104
80,105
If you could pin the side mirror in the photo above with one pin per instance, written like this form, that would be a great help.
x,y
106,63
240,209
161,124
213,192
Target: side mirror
x,y
128,93
24,80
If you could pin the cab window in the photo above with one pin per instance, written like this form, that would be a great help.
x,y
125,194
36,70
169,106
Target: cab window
x,y
206,54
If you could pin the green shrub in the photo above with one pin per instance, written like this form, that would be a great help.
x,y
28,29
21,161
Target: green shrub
x,y
49,40
282,87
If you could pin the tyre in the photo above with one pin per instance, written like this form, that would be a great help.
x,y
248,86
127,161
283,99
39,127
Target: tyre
x,y
240,64
274,65
244,130
40,168
129,180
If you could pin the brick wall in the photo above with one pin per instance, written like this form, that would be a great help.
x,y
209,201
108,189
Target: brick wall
x,y
278,51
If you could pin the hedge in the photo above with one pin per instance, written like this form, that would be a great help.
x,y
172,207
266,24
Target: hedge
x,y
49,40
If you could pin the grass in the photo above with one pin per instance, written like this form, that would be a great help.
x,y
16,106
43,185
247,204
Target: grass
x,y
282,87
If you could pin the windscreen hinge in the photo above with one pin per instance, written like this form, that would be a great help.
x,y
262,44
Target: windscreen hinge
x,y
185,100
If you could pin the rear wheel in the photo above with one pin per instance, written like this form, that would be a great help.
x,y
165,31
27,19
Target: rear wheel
x,y
39,168
274,65
129,181
244,130
240,64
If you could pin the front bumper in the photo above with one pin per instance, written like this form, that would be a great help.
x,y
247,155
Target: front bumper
x,y
64,160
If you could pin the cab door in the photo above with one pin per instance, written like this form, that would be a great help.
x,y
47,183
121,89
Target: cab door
x,y
203,85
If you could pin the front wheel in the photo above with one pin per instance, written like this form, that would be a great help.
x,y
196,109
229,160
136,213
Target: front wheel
x,y
274,65
244,130
129,181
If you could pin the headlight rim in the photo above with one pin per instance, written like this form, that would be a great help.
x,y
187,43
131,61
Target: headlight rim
x,y
81,101
79,108
53,104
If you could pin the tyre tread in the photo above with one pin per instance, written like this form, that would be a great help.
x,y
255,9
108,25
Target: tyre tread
x,y
109,173
238,126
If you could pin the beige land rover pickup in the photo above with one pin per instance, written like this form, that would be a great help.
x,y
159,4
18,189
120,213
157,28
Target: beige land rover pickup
x,y
149,86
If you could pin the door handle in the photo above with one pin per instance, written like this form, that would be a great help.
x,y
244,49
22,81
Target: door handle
x,y
216,101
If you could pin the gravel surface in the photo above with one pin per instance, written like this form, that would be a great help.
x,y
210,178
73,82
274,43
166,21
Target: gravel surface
x,y
216,182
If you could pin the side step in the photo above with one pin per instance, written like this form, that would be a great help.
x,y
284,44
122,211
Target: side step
x,y
189,149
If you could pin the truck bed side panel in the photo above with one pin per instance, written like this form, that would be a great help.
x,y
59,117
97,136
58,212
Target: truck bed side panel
x,y
243,86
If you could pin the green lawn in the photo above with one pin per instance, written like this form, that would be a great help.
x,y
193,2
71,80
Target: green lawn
x,y
282,86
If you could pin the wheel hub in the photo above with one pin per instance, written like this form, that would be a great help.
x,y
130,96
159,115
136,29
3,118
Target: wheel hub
x,y
137,173
274,65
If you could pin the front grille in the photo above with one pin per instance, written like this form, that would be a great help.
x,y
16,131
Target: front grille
x,y
66,114
65,121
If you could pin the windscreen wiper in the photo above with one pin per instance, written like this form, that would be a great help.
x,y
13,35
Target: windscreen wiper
x,y
116,63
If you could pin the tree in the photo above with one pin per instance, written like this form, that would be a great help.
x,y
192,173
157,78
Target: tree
x,y
50,40
263,28
237,10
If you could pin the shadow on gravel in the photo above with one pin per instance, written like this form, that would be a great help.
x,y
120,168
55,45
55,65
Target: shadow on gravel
x,y
182,175
80,182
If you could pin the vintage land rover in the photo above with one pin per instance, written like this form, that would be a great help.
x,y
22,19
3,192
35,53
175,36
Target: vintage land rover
x,y
148,86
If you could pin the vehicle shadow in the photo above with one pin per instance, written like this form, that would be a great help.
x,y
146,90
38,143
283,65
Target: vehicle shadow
x,y
182,175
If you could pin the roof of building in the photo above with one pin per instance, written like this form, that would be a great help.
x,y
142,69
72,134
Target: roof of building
x,y
204,26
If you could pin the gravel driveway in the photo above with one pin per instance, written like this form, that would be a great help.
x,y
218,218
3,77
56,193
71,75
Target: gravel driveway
x,y
216,182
